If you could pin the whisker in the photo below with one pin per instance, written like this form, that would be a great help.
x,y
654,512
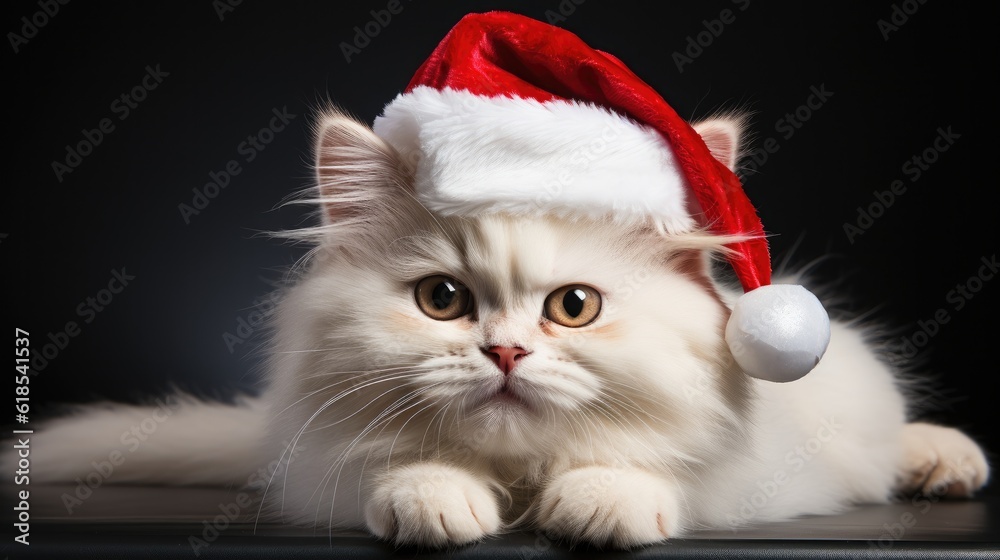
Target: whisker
x,y
327,387
387,415
290,448
345,455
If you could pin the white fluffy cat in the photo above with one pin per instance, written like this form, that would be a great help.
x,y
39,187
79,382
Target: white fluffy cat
x,y
438,380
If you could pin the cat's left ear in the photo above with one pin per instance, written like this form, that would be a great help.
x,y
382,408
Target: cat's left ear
x,y
356,171
722,136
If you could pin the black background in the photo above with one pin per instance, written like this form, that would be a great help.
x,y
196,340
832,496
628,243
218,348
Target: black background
x,y
193,282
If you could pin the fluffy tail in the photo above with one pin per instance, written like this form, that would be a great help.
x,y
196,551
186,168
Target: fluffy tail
x,y
176,441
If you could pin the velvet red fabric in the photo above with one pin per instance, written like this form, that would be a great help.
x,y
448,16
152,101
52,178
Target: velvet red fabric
x,y
500,53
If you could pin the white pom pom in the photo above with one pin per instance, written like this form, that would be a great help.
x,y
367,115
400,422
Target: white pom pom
x,y
778,332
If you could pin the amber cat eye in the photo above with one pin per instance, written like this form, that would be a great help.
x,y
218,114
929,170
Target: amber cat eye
x,y
575,305
443,298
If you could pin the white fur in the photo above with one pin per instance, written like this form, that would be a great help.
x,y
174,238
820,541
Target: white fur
x,y
636,428
178,440
477,154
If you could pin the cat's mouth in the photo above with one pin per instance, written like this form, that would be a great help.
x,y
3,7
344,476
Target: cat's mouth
x,y
506,395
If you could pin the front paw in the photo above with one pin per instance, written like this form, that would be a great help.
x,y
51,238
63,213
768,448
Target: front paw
x,y
433,505
603,505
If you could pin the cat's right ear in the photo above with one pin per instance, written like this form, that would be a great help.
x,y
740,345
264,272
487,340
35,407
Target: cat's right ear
x,y
355,169
723,136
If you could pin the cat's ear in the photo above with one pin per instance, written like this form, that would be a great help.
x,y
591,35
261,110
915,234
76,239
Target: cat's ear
x,y
355,169
723,137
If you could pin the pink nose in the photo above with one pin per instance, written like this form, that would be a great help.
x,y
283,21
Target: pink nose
x,y
505,357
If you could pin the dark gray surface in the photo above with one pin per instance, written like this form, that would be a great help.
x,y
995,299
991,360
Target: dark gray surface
x,y
156,522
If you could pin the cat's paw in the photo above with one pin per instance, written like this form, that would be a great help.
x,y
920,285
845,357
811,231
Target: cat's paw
x,y
432,504
603,505
941,461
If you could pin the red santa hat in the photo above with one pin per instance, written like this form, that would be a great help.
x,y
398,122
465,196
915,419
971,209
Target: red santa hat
x,y
513,115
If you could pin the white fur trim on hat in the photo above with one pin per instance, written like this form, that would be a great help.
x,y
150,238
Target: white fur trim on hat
x,y
476,154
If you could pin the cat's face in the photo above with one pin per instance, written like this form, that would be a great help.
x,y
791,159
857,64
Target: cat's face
x,y
528,331
419,322
598,315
